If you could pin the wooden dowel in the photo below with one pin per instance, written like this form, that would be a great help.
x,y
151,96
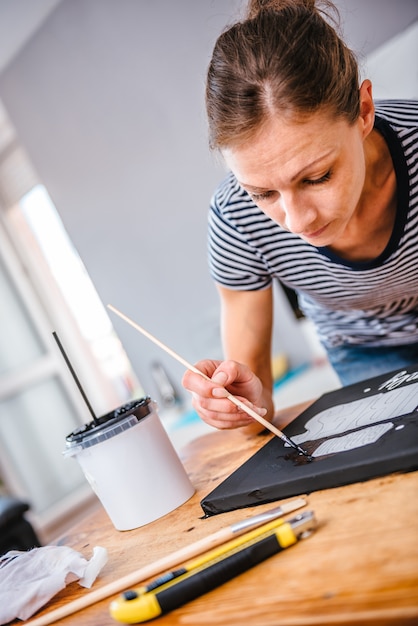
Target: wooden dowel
x,y
164,564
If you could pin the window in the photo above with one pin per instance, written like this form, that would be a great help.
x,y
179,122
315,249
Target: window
x,y
44,286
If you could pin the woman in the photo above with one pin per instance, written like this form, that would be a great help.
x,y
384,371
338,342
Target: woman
x,y
322,195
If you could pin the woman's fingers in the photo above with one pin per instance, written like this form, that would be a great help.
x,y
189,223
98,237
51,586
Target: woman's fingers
x,y
220,413
210,397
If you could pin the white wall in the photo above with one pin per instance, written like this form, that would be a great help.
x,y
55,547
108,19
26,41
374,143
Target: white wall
x,y
107,98
393,67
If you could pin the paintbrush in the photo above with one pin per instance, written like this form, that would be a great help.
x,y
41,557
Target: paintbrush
x,y
167,562
230,397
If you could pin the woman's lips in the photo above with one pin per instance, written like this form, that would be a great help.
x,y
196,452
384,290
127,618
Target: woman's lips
x,y
316,233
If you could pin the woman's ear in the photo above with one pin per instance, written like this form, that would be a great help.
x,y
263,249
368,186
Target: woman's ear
x,y
366,117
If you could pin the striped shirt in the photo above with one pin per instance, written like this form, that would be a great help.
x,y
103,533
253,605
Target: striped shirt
x,y
373,303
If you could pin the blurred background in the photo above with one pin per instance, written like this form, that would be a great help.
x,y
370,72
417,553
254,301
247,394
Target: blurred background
x,y
105,181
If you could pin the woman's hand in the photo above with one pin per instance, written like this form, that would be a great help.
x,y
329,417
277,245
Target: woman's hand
x,y
209,397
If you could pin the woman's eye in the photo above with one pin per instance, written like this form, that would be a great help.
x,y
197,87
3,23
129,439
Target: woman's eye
x,y
258,197
319,181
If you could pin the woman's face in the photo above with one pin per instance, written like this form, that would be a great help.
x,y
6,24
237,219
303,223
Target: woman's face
x,y
307,175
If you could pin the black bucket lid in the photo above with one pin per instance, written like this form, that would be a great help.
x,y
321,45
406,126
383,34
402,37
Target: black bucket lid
x,y
90,434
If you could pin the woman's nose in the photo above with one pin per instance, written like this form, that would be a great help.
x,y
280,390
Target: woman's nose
x,y
297,217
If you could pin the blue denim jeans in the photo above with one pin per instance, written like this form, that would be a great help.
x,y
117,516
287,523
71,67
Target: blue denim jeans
x,y
354,363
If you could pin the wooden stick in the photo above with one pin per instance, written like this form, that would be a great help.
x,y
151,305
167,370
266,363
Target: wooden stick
x,y
194,369
166,563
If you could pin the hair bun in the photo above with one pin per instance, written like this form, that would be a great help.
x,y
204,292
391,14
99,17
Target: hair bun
x,y
255,7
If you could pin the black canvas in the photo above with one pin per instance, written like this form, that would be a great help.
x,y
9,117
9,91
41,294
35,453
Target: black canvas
x,y
355,433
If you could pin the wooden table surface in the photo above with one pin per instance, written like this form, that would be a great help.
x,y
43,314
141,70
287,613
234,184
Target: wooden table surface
x,y
359,567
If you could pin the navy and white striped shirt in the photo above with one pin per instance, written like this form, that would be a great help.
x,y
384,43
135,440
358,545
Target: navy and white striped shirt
x,y
372,303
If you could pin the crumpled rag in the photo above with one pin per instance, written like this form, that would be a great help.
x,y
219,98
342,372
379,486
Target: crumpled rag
x,y
28,580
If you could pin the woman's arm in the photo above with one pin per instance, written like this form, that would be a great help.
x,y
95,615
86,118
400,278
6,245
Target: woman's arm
x,y
246,324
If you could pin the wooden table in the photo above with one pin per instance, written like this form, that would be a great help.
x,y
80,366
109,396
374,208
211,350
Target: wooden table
x,y
359,567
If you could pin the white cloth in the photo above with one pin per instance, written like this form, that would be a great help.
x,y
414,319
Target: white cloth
x,y
28,580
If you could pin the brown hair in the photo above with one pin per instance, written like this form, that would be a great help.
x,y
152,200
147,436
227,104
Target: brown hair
x,y
286,58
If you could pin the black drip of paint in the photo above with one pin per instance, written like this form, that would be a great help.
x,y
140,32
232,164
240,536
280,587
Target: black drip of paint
x,y
299,459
